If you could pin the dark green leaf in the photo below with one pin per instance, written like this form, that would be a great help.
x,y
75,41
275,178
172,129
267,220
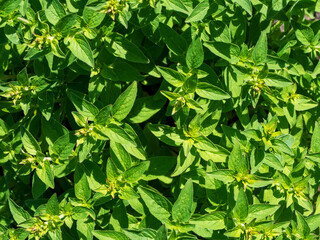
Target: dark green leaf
x,y
121,47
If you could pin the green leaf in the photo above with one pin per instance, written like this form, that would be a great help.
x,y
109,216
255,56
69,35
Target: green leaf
x,y
245,4
46,102
313,222
46,174
276,80
158,205
54,11
145,233
117,134
209,91
176,43
29,142
241,209
304,34
85,228
114,72
314,157
104,114
119,217
260,51
203,143
227,51
315,140
195,55
112,171
55,48
95,176
85,148
109,235
190,85
52,130
144,108
124,102
80,48
84,107
18,213
237,161
182,208
272,161
92,17
281,146
3,128
157,168
11,34
134,173
302,103
120,156
261,211
138,151
184,161
302,225
212,221
199,12
64,145
38,187
121,47
9,6
65,24
52,206
166,134
81,185
177,5
173,77
161,233
223,175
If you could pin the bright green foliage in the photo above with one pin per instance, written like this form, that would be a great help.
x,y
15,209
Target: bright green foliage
x,y
159,119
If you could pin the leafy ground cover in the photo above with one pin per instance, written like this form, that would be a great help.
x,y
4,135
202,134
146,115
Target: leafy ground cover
x,y
160,119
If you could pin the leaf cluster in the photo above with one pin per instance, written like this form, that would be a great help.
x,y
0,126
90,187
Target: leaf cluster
x,y
159,119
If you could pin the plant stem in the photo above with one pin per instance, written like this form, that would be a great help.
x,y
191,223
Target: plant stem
x,y
23,20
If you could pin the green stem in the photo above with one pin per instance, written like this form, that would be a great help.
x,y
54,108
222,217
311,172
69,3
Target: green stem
x,y
23,20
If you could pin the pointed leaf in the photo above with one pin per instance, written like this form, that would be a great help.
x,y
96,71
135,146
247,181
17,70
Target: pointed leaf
x,y
109,235
81,185
182,208
18,213
237,161
209,91
134,173
124,102
261,49
29,142
83,106
315,140
52,206
245,4
199,12
241,209
302,225
157,204
121,47
80,47
195,55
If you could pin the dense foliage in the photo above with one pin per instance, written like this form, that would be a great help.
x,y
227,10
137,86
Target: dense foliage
x,y
159,119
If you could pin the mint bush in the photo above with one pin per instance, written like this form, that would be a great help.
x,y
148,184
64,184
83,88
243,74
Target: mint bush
x,y
159,119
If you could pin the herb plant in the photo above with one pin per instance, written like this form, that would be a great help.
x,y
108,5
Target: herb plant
x,y
159,119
